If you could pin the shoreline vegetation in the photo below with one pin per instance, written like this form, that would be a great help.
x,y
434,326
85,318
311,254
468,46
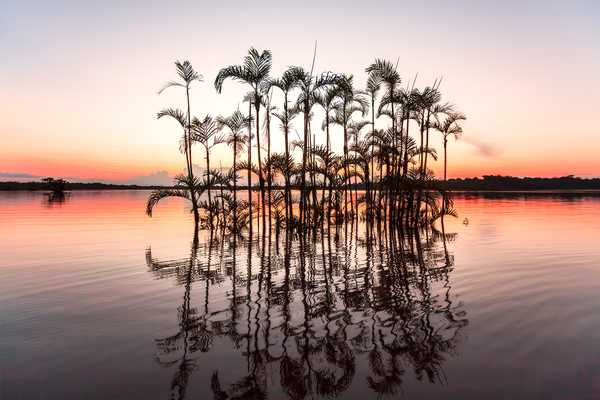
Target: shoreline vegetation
x,y
488,183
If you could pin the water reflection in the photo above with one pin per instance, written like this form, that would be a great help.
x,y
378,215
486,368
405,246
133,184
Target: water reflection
x,y
313,315
55,199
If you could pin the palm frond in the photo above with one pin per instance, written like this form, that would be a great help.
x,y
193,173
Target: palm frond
x,y
157,195
174,113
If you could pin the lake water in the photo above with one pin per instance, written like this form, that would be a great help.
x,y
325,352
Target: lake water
x,y
98,301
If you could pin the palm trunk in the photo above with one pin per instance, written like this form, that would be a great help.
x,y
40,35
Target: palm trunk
x,y
417,209
250,162
426,140
208,186
269,169
188,156
288,194
313,180
346,171
445,179
426,152
445,158
303,172
261,179
329,182
405,162
370,192
235,206
326,180
355,178
390,167
223,215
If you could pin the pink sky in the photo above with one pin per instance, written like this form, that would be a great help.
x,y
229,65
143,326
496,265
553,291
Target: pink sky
x,y
79,82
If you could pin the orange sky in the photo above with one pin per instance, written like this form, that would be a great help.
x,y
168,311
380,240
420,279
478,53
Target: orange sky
x,y
79,82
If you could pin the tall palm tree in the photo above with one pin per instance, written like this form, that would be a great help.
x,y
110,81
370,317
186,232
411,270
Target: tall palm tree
x,y
354,128
428,99
249,98
351,101
187,76
269,109
385,72
326,99
189,182
449,127
289,80
236,139
436,111
372,88
205,132
309,85
255,73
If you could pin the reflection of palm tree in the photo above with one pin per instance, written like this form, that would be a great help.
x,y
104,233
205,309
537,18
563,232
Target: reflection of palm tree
x,y
310,313
193,334
179,342
55,198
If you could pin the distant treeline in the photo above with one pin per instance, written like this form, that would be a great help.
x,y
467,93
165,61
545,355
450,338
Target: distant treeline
x,y
497,182
71,186
487,182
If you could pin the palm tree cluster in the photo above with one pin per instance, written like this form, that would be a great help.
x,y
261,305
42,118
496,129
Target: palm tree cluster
x,y
382,173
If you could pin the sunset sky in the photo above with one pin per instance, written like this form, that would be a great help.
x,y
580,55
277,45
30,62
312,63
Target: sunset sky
x,y
79,81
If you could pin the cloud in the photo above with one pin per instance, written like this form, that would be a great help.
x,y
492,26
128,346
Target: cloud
x,y
17,175
161,178
481,148
200,169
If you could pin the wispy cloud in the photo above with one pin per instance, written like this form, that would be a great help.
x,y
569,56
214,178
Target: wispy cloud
x,y
156,178
482,148
18,175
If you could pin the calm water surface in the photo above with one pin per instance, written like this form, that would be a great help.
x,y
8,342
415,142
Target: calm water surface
x,y
98,301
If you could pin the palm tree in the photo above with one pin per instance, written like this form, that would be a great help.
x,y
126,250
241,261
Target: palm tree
x,y
190,182
187,75
436,111
204,132
354,128
289,80
372,88
427,100
351,101
254,72
449,127
309,86
385,72
329,165
326,100
236,139
266,99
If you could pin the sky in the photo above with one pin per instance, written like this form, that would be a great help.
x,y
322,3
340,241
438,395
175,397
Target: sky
x,y
79,80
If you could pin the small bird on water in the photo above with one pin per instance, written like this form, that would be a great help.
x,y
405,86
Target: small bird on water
x,y
466,221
